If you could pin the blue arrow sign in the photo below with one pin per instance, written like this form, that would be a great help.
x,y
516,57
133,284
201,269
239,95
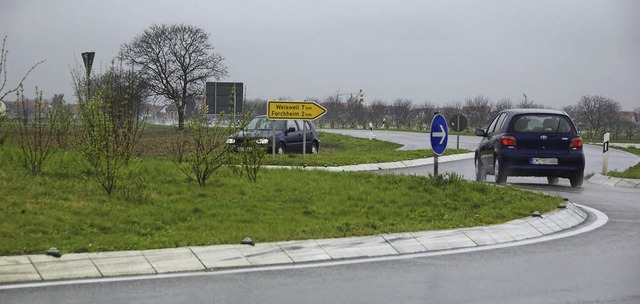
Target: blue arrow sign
x,y
439,134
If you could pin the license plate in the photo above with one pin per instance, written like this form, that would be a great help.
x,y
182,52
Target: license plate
x,y
543,161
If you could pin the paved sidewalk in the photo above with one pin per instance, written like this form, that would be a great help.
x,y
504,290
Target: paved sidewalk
x,y
33,268
614,181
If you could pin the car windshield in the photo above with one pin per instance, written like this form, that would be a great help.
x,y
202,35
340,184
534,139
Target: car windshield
x,y
263,123
541,123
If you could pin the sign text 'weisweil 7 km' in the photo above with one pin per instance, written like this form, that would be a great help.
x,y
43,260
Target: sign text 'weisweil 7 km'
x,y
282,109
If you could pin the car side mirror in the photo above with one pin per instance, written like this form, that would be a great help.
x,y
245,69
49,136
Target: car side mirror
x,y
291,129
480,132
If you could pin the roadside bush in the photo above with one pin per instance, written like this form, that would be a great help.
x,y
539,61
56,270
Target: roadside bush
x,y
4,128
35,130
248,160
200,150
111,123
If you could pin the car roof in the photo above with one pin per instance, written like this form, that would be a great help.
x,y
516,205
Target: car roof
x,y
535,111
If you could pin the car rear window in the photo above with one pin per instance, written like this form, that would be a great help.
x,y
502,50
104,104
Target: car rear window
x,y
541,123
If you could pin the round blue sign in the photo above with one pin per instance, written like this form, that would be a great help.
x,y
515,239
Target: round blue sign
x,y
439,134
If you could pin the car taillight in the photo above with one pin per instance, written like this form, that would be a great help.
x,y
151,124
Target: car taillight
x,y
508,141
576,142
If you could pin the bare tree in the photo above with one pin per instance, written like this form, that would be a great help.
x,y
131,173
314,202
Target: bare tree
x,y
478,110
3,71
450,109
257,107
401,111
424,113
378,111
4,54
502,104
334,112
597,113
527,103
176,60
355,113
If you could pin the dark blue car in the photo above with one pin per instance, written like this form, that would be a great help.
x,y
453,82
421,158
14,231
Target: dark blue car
x,y
289,134
530,142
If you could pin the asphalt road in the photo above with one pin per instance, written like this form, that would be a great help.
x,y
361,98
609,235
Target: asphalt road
x,y
601,266
618,160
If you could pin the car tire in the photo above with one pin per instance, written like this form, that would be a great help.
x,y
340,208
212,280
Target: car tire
x,y
576,179
481,172
281,149
500,174
314,148
553,180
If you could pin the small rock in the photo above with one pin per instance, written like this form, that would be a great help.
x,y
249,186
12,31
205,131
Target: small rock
x,y
247,241
54,252
536,214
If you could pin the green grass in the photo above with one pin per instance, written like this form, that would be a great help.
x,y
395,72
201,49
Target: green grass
x,y
633,172
157,207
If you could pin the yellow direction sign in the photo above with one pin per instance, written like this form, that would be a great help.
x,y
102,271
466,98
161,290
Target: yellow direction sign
x,y
284,109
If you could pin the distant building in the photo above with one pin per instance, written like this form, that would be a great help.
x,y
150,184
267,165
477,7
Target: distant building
x,y
630,116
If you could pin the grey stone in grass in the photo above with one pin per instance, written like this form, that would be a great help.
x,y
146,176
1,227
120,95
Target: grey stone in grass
x,y
54,252
247,241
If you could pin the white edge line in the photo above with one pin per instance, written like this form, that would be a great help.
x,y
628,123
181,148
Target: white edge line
x,y
601,219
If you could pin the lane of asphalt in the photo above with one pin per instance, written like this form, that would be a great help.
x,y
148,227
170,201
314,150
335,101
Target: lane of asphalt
x,y
409,140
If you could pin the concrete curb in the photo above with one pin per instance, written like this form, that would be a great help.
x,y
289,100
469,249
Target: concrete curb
x,y
384,166
34,268
614,181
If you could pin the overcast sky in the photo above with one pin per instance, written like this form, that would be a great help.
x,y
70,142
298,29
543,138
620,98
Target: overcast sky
x,y
436,51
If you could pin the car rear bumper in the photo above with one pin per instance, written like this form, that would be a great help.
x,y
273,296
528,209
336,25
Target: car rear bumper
x,y
517,164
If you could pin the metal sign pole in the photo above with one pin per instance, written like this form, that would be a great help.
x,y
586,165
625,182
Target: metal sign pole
x,y
435,165
458,137
273,142
235,101
304,140
215,100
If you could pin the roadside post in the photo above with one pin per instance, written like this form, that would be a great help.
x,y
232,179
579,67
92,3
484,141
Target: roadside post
x,y
296,110
439,138
371,136
87,58
458,123
605,154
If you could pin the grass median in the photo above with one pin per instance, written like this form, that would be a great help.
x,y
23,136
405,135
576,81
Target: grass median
x,y
633,172
157,207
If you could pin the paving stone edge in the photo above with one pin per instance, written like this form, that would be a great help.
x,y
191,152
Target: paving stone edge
x,y
34,268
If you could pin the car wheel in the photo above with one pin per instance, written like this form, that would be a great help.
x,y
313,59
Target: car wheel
x,y
576,179
481,173
281,149
553,180
500,174
314,148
